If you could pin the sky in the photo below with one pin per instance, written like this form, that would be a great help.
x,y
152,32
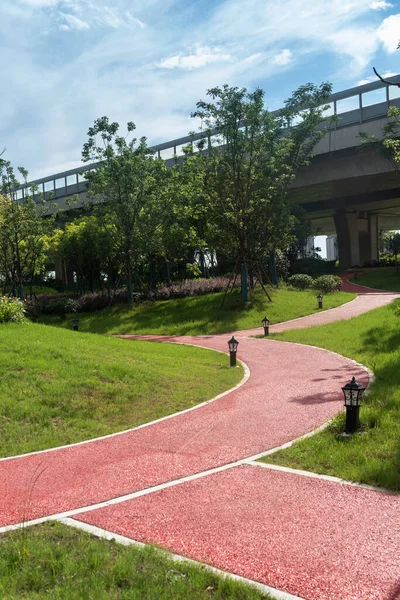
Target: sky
x,y
65,63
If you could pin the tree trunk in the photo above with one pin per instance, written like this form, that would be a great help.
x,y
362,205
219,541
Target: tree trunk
x,y
244,283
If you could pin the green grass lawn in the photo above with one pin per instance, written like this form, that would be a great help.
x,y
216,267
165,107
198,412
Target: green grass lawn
x,y
201,314
381,279
373,455
59,562
59,387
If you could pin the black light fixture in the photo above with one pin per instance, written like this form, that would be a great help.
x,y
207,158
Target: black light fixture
x,y
353,392
319,298
265,323
75,324
233,346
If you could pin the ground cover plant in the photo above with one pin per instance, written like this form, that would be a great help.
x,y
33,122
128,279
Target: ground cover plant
x,y
382,279
55,561
373,455
202,315
59,387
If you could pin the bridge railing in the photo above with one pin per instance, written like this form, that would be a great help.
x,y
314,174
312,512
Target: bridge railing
x,y
360,104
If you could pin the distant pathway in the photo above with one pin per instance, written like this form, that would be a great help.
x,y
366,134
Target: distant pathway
x,y
311,537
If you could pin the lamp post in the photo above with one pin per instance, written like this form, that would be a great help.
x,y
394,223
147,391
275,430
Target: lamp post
x,y
233,345
75,324
353,392
319,298
265,323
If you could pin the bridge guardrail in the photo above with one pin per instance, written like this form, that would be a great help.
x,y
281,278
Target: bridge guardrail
x,y
68,183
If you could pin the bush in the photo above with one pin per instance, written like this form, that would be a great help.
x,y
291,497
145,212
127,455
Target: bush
x,y
59,306
11,310
314,266
301,281
327,283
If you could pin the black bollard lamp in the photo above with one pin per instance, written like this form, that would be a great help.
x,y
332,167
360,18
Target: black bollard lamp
x,y
353,392
265,323
233,346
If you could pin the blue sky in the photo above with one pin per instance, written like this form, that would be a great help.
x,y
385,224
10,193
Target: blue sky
x,y
67,62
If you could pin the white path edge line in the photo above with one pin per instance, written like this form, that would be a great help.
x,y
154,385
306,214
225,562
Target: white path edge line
x,y
241,333
125,431
162,486
313,475
168,484
125,541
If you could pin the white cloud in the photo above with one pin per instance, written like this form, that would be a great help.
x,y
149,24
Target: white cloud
x,y
200,58
380,5
374,78
358,43
251,59
283,58
72,22
134,20
389,33
39,3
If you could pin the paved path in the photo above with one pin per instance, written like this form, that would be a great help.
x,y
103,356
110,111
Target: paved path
x,y
314,538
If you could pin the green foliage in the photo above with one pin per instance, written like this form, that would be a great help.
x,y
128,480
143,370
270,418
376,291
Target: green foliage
x,y
62,386
327,283
391,244
59,306
249,165
57,562
11,310
301,281
23,229
125,188
372,456
314,266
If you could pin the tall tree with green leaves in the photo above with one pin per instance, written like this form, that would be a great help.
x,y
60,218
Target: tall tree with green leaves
x,y
252,157
24,224
125,187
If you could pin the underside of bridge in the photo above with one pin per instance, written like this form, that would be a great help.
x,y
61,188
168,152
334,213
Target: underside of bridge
x,y
353,193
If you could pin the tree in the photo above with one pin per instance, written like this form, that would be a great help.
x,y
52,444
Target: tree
x,y
125,188
86,248
252,157
391,244
23,229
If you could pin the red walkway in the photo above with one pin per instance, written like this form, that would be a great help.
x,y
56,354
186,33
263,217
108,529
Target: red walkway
x,y
313,538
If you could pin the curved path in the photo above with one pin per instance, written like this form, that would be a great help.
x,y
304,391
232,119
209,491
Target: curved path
x,y
213,503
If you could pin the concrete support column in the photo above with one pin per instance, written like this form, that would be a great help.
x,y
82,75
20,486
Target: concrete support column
x,y
358,238
373,226
347,237
62,272
60,269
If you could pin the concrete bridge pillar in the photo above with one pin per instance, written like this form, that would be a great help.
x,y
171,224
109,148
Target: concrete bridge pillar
x,y
357,235
62,272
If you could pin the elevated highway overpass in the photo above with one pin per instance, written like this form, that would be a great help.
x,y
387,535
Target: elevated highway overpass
x,y
349,189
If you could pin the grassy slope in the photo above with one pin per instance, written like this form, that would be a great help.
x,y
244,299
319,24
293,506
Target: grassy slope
x,y
381,279
59,387
372,456
202,314
53,561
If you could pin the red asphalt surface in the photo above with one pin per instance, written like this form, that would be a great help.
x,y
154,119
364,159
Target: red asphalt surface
x,y
313,538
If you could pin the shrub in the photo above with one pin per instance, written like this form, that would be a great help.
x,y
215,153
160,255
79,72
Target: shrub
x,y
301,281
59,306
11,310
190,287
327,283
314,266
